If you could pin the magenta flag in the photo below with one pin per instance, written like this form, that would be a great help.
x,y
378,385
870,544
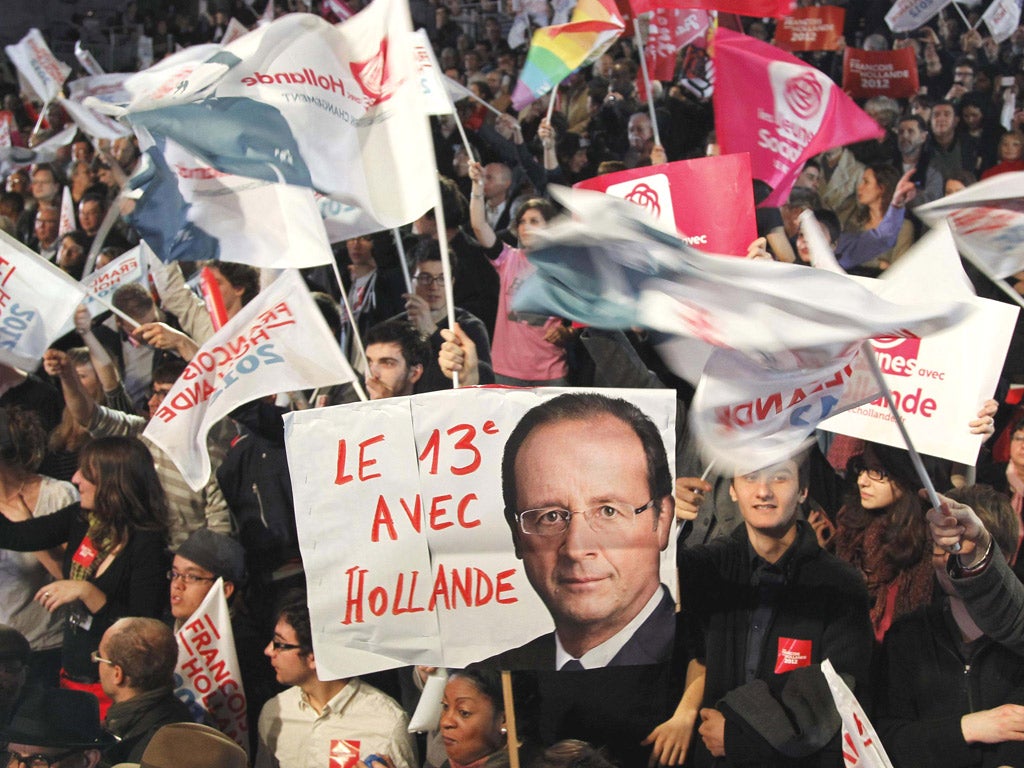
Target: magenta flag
x,y
780,110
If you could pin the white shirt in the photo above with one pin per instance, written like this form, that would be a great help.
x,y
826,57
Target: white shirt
x,y
600,655
358,722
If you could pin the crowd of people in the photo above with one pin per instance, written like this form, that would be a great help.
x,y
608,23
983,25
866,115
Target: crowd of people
x,y
106,550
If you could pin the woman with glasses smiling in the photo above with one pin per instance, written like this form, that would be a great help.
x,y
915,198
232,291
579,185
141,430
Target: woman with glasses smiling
x,y
882,531
114,563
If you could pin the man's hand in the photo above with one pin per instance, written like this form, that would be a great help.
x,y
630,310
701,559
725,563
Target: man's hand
x,y
955,523
822,526
458,354
992,726
689,495
83,321
162,336
712,731
55,362
658,155
419,313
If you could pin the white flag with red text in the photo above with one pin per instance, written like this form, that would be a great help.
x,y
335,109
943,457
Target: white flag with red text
x,y
861,746
987,220
43,71
1002,18
278,342
129,267
268,100
208,678
37,302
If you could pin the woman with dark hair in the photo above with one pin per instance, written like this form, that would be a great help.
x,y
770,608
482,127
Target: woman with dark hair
x,y
473,720
877,232
114,564
25,494
527,349
881,531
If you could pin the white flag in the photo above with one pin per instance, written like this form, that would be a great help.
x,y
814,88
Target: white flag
x,y
987,220
129,267
92,123
19,157
861,746
1002,18
435,94
68,222
278,342
87,60
268,100
908,15
37,302
207,677
37,64
191,211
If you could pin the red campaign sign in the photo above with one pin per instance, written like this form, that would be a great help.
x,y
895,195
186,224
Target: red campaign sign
x,y
678,194
880,73
813,28
793,654
672,29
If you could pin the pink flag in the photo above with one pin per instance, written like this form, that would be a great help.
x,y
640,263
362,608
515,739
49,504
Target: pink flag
x,y
671,29
780,110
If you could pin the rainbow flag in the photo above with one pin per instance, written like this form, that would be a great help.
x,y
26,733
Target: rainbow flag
x,y
556,51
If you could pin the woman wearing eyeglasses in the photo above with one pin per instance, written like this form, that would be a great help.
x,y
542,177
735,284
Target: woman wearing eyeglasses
x,y
114,564
881,530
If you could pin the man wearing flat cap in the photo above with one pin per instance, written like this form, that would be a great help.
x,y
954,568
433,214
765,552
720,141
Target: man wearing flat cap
x,y
56,728
204,557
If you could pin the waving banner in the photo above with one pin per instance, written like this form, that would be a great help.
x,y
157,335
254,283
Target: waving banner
x,y
780,110
266,101
987,220
43,71
908,15
129,267
193,212
37,302
407,549
1002,18
676,195
278,342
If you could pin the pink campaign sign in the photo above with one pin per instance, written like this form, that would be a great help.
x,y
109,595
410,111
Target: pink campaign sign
x,y
709,201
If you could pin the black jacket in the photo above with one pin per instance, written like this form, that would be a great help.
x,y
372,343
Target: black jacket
x,y
785,716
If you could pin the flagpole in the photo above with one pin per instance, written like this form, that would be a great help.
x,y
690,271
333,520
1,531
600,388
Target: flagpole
x,y
102,232
107,305
915,458
510,718
551,103
491,107
962,16
647,81
39,121
998,282
446,267
355,331
401,259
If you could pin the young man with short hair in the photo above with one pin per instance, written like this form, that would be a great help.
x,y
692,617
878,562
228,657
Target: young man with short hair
x,y
316,722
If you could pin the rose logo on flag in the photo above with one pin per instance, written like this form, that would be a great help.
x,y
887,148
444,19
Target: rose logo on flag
x,y
374,75
646,197
803,95
344,753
